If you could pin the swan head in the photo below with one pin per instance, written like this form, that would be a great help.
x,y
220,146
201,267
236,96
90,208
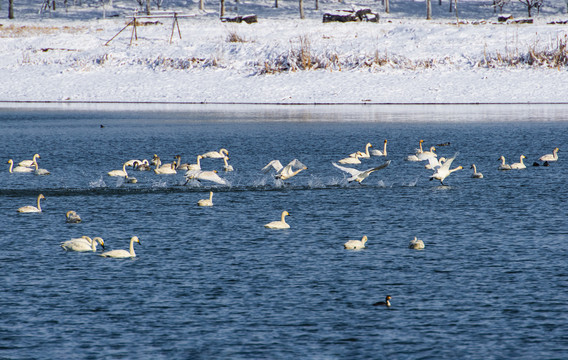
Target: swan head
x,y
135,239
459,167
40,197
421,141
502,158
285,213
11,162
100,241
385,141
369,145
224,151
433,148
523,157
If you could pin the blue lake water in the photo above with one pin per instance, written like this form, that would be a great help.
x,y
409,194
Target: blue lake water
x,y
213,283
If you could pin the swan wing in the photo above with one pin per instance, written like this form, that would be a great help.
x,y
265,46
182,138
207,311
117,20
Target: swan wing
x,y
433,162
446,165
350,171
274,164
211,176
386,163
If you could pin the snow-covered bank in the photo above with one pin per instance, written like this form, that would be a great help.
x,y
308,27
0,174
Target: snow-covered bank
x,y
402,59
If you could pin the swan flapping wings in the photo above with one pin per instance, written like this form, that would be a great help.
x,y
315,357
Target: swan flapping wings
x,y
360,175
205,175
285,172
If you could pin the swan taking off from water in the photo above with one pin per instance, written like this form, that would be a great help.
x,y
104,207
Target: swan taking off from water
x,y
18,169
32,209
206,202
72,217
358,175
503,166
434,163
520,165
476,175
444,171
379,152
29,163
416,244
282,224
550,157
285,172
425,155
123,253
356,244
205,175
216,154
84,243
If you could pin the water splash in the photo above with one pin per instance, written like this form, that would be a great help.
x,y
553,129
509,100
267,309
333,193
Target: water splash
x,y
99,183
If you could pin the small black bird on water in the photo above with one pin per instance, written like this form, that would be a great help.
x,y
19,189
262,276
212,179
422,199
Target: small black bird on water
x,y
384,303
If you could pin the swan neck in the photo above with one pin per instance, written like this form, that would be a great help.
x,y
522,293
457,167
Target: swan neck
x,y
283,218
132,247
385,149
38,203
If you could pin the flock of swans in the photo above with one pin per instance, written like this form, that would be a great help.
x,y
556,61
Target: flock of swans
x,y
439,166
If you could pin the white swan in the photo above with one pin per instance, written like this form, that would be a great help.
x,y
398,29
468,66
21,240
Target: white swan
x,y
32,209
425,155
120,173
84,243
444,171
39,171
434,163
503,166
166,169
476,175
206,202
520,165
123,253
18,169
358,175
29,163
356,244
216,154
414,157
205,175
379,152
133,162
227,167
364,155
416,244
352,159
282,224
196,166
285,172
72,217
179,165
550,157
144,165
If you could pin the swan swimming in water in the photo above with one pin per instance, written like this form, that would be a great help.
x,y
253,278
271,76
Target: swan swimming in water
x,y
39,171
425,155
227,167
444,171
352,159
216,154
166,170
358,175
18,169
285,172
364,155
379,152
29,163
119,173
416,244
520,165
196,166
476,175
414,157
144,165
503,166
119,254
32,209
356,244
206,202
550,157
282,224
84,243
72,217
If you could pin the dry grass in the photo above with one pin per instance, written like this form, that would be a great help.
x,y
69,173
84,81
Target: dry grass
x,y
554,56
15,31
233,37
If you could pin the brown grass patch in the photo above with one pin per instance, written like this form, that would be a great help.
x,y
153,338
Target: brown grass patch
x,y
16,31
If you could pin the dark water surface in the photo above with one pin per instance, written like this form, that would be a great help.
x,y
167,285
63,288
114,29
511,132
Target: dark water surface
x,y
213,283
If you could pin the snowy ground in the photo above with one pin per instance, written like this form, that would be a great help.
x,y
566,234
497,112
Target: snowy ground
x,y
61,55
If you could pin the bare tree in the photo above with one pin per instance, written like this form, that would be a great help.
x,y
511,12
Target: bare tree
x,y
499,4
532,4
276,3
11,9
428,10
302,16
387,6
201,5
222,9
